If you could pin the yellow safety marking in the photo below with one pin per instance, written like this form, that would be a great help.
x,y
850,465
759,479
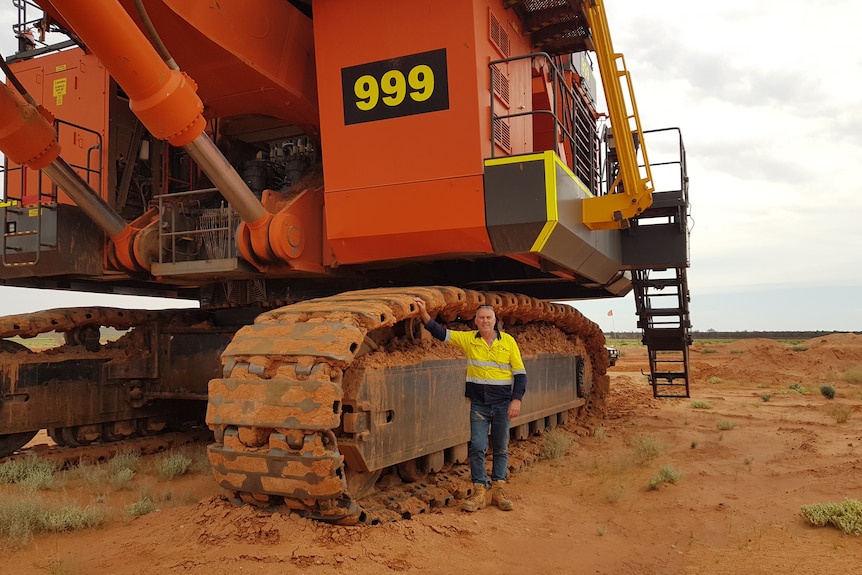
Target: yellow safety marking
x,y
550,202
514,159
9,204
33,212
60,87
60,68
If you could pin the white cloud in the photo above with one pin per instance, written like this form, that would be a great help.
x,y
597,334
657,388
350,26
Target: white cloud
x,y
767,96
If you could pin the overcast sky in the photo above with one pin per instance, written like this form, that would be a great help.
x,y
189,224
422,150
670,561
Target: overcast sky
x,y
767,96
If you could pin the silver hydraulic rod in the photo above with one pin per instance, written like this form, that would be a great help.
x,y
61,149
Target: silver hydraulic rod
x,y
85,197
225,178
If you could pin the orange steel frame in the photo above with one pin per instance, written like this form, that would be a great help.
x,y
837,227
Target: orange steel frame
x,y
73,87
408,186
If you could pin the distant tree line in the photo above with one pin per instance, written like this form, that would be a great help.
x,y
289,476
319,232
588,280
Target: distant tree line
x,y
713,334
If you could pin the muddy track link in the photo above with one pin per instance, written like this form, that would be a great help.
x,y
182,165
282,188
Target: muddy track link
x,y
67,319
276,412
101,452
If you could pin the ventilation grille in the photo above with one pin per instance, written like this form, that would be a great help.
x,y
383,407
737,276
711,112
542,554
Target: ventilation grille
x,y
501,135
498,36
501,85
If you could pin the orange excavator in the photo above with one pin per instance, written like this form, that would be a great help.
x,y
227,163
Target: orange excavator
x,y
305,169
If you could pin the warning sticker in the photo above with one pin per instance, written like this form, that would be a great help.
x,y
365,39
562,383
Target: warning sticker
x,y
60,88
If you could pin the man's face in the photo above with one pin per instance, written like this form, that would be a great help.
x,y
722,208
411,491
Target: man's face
x,y
485,319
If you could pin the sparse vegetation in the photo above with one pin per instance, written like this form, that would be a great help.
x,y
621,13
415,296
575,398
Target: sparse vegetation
x,y
599,433
666,474
58,567
726,425
709,350
846,516
646,448
715,380
700,404
827,391
30,473
21,518
555,444
694,444
173,465
143,505
798,388
840,412
615,493
852,376
124,460
798,348
765,397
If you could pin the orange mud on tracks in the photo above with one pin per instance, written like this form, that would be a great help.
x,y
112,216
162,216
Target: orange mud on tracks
x,y
281,438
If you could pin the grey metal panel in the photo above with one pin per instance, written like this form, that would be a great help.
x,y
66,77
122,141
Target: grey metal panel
x,y
655,246
592,254
515,205
421,409
71,244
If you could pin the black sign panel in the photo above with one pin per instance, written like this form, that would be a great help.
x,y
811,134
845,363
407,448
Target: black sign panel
x,y
402,86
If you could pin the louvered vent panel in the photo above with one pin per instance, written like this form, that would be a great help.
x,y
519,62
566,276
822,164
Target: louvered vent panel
x,y
501,135
498,35
501,85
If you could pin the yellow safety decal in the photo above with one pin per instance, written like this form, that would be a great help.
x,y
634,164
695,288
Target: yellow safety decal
x,y
33,212
60,86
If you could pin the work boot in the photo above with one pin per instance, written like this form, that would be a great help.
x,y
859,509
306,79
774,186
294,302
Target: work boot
x,y
476,501
498,498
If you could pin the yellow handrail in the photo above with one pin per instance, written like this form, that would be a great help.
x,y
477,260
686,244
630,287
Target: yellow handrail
x,y
612,211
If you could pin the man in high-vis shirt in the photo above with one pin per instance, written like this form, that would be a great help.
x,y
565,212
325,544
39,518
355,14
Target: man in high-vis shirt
x,y
496,382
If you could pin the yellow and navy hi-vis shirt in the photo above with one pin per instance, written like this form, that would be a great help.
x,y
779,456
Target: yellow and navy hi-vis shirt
x,y
495,373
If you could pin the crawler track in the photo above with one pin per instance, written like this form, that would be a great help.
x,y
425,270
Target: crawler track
x,y
288,408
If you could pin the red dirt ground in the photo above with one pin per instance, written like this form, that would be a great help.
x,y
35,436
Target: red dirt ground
x,y
750,461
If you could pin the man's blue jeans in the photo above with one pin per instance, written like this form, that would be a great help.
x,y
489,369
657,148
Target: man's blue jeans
x,y
485,417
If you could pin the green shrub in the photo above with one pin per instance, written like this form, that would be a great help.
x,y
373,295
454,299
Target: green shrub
x,y
666,474
121,479
827,391
765,396
143,505
846,516
798,348
801,389
31,473
173,465
726,425
23,517
646,448
124,460
700,404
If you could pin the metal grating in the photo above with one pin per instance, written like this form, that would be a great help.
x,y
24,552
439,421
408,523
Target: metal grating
x,y
555,26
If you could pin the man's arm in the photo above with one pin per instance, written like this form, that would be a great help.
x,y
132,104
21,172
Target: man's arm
x,y
434,328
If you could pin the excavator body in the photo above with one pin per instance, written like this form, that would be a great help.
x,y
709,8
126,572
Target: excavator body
x,y
304,170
